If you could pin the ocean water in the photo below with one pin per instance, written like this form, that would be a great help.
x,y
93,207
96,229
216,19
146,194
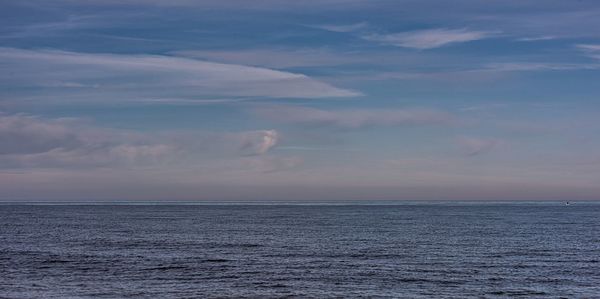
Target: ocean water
x,y
405,250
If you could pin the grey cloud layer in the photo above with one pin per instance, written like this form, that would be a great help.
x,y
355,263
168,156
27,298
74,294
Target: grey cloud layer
x,y
27,141
32,142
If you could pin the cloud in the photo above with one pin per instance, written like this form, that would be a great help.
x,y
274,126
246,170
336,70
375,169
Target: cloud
x,y
537,66
187,102
33,142
474,146
536,38
357,118
592,51
215,4
29,135
342,28
70,23
87,157
430,38
106,77
29,141
260,142
313,148
277,58
593,48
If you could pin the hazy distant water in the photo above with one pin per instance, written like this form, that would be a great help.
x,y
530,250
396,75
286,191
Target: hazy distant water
x,y
443,250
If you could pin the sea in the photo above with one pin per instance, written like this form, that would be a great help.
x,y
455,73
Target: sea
x,y
300,250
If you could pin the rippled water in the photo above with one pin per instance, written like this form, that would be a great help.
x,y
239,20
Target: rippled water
x,y
407,250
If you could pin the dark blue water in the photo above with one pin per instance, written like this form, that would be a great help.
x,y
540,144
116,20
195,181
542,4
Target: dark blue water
x,y
201,251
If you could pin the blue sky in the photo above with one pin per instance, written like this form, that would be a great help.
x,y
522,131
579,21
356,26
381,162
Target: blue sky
x,y
318,100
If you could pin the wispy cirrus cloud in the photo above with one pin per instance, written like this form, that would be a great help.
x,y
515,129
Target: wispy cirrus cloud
x,y
429,38
354,118
114,77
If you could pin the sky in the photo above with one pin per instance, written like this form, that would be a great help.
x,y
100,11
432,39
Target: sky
x,y
170,100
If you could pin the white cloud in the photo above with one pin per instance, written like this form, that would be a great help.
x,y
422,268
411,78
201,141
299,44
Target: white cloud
x,y
357,118
132,77
430,38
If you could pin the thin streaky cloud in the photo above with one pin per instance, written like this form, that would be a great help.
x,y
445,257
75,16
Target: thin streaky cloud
x,y
589,47
472,73
176,101
266,5
69,24
429,38
536,38
341,28
537,66
591,50
152,76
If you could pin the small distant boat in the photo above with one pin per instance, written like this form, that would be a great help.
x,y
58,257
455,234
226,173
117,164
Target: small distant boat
x,y
567,203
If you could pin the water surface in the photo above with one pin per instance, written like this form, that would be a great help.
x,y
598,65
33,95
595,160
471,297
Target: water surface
x,y
442,250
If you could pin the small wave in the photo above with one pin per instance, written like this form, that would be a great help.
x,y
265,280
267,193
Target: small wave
x,y
517,293
216,260
166,268
55,262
